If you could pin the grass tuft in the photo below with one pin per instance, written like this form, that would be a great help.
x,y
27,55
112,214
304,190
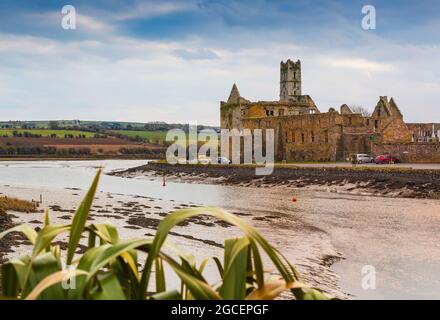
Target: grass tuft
x,y
14,204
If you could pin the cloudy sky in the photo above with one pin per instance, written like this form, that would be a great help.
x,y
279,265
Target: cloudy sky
x,y
175,60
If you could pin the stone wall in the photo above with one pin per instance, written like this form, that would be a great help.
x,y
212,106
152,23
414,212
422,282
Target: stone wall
x,y
411,152
316,137
307,137
425,132
230,115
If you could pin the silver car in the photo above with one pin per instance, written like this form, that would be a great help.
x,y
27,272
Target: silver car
x,y
223,160
364,158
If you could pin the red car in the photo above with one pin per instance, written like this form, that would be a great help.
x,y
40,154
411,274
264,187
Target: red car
x,y
386,159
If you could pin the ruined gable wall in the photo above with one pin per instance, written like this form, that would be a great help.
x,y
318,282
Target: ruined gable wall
x,y
230,115
396,132
356,137
388,121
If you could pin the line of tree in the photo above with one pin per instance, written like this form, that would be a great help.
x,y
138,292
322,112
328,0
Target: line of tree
x,y
28,134
80,151
137,138
133,151
39,150
24,134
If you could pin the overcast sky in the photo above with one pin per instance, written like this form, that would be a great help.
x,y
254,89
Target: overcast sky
x,y
175,60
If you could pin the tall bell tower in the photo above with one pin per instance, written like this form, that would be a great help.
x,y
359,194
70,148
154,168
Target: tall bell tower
x,y
290,80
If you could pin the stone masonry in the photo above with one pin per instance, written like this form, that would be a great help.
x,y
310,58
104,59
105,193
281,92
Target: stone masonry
x,y
303,133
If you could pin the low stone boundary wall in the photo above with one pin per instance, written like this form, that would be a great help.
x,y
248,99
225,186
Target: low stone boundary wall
x,y
411,152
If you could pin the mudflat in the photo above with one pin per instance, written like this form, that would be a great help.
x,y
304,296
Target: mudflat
x,y
383,181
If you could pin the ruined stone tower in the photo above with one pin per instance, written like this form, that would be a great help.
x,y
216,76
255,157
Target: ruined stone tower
x,y
290,80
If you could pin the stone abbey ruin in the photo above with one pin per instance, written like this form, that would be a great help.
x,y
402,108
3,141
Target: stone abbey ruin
x,y
304,133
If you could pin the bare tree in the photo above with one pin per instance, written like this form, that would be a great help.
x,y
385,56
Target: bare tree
x,y
359,109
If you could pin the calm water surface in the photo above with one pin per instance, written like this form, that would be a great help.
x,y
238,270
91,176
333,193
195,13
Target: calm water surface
x,y
398,237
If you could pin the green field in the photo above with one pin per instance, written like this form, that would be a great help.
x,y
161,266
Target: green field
x,y
147,135
46,133
150,136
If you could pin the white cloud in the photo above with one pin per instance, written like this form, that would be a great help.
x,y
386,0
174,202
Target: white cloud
x,y
87,24
358,64
153,9
121,78
25,44
92,24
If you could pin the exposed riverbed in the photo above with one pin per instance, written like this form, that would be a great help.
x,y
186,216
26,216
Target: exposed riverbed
x,y
397,236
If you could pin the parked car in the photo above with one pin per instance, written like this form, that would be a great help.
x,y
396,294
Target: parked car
x,y
220,160
223,160
386,159
364,158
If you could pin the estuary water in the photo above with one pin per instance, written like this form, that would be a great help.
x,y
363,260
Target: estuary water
x,y
397,238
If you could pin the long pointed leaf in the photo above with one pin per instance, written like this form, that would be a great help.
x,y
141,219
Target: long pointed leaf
x,y
80,219
234,280
51,280
26,229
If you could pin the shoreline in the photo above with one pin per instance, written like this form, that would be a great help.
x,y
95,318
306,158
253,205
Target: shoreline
x,y
385,181
324,234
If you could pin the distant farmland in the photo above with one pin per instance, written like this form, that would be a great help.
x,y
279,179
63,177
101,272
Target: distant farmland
x,y
150,136
146,135
47,133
